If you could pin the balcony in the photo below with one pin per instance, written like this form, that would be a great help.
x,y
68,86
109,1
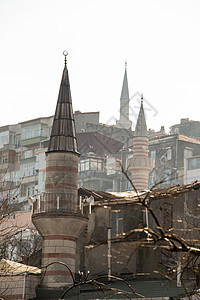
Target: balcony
x,y
30,178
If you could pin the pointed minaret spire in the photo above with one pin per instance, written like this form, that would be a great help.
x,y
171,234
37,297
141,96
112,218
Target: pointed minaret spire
x,y
124,121
125,90
141,127
63,136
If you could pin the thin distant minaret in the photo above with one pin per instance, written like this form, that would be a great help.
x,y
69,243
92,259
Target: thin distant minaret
x,y
59,223
141,164
124,121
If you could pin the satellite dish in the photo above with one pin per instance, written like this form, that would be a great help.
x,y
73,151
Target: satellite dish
x,y
176,130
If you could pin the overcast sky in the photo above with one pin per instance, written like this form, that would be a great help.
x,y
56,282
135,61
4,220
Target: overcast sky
x,y
159,39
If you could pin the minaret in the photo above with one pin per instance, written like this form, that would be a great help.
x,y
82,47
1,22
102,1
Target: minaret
x,y
60,223
140,165
124,121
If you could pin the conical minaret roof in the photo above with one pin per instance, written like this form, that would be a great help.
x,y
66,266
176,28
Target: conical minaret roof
x,y
125,91
141,126
63,134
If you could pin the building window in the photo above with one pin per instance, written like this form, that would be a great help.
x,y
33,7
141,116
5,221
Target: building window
x,y
31,131
18,157
92,164
17,140
23,191
194,163
27,169
4,138
116,221
28,191
168,154
84,165
153,154
5,159
166,176
28,154
188,152
33,190
113,165
7,177
151,179
15,176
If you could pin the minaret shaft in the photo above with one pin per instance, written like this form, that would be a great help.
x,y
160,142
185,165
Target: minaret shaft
x,y
61,182
60,224
140,164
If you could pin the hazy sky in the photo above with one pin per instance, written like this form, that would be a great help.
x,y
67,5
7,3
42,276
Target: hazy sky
x,y
159,39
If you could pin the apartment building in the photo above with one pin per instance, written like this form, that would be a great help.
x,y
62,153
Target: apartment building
x,y
22,158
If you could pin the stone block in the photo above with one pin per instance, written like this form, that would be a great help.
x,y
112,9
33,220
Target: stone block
x,y
70,244
61,249
53,243
46,243
49,249
71,250
56,243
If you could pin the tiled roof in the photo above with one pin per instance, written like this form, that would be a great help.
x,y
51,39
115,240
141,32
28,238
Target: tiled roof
x,y
98,143
154,194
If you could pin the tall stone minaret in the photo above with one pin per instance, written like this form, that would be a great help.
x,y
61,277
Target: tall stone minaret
x,y
60,223
140,165
124,121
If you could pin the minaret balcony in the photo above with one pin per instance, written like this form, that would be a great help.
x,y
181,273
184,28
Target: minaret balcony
x,y
55,206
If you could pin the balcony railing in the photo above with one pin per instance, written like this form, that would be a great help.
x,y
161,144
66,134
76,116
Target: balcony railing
x,y
41,205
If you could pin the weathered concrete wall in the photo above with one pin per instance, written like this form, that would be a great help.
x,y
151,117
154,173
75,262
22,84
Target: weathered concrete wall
x,y
82,119
123,261
180,213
